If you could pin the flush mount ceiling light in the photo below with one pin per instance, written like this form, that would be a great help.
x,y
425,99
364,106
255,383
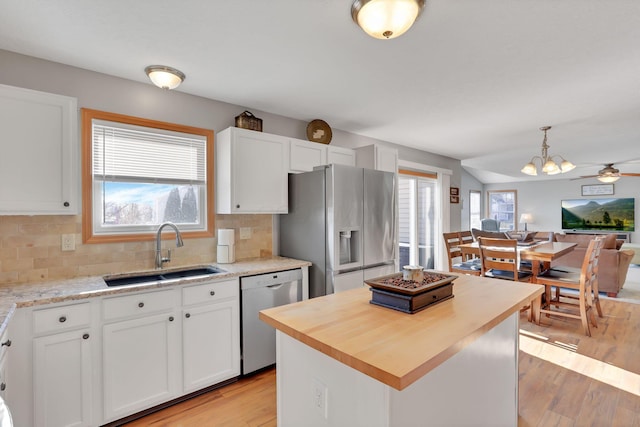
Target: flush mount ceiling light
x,y
164,77
386,19
549,166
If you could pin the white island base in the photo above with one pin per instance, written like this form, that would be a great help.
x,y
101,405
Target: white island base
x,y
478,386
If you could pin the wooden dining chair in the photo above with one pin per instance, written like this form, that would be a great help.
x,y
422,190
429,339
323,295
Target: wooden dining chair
x,y
499,259
464,266
585,281
595,296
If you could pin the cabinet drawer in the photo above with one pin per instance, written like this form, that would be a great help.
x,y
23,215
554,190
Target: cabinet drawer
x,y
138,304
210,292
5,343
61,318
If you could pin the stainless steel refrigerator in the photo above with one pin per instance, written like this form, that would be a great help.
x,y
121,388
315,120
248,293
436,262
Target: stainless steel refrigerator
x,y
343,220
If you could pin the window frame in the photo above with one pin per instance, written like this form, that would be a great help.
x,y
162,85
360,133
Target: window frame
x,y
477,193
414,246
88,235
515,209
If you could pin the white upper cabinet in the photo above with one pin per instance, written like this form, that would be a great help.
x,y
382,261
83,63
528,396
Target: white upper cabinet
x,y
251,172
377,157
341,156
305,155
39,161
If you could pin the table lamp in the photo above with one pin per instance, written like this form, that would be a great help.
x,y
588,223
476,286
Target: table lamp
x,y
526,218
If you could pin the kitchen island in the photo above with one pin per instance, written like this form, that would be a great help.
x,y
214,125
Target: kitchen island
x,y
343,361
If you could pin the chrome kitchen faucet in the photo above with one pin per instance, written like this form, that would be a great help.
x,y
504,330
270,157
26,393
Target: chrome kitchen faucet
x,y
159,258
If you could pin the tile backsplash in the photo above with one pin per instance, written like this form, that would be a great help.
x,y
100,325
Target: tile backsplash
x,y
30,248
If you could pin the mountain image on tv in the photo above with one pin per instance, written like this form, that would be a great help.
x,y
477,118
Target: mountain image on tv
x,y
599,214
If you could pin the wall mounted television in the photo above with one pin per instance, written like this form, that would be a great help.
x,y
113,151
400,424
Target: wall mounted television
x,y
599,214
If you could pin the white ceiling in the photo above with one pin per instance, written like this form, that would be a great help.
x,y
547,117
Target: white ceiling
x,y
473,80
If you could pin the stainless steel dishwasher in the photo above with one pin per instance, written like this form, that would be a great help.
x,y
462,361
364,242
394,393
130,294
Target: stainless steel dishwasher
x,y
258,293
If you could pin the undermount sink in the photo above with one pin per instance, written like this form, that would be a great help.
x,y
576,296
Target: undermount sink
x,y
158,277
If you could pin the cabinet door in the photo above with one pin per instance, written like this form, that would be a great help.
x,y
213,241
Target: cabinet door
x,y
211,344
259,176
39,151
62,379
377,157
386,159
140,364
3,376
304,156
341,156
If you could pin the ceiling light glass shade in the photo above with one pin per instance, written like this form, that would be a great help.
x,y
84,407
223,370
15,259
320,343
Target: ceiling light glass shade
x,y
567,166
550,167
164,77
608,178
530,169
386,19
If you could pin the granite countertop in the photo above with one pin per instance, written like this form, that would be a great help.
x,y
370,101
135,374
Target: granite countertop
x,y
31,294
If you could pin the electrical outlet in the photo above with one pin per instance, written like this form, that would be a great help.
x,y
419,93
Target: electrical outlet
x,y
320,394
68,242
245,233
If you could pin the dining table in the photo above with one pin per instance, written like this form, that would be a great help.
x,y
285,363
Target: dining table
x,y
540,254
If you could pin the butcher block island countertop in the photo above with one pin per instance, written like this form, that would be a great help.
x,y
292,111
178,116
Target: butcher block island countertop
x,y
393,347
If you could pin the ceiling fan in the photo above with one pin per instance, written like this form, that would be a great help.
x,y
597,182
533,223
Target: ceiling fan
x,y
609,174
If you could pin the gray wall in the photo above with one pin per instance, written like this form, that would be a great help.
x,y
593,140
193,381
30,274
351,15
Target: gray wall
x,y
542,199
103,92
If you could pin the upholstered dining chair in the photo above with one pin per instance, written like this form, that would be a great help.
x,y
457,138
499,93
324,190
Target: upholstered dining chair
x,y
489,224
464,266
499,259
585,281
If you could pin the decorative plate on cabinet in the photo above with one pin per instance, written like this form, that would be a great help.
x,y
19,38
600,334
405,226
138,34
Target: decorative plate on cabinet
x,y
319,131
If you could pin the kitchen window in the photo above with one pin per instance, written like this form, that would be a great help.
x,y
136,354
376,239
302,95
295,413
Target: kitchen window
x,y
139,173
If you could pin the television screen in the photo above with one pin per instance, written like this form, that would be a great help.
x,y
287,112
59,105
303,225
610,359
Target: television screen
x,y
598,214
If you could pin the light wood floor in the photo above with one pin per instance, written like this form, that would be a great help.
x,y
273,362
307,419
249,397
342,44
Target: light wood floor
x,y
566,379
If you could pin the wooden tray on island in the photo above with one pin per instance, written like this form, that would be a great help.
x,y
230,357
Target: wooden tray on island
x,y
408,296
395,283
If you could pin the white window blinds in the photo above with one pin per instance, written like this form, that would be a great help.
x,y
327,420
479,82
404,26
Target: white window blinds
x,y
123,152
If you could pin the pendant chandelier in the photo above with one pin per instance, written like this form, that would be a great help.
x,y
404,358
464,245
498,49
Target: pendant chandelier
x,y
548,165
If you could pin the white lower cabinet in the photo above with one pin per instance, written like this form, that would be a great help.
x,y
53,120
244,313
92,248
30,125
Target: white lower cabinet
x,y
210,345
103,359
210,334
5,343
140,364
62,379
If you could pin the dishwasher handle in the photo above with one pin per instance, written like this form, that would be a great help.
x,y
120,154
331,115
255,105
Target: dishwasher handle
x,y
270,279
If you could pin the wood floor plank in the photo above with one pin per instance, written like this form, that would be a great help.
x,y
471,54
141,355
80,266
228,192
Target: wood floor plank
x,y
567,379
552,419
